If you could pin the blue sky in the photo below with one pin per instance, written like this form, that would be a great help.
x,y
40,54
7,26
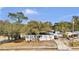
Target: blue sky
x,y
52,14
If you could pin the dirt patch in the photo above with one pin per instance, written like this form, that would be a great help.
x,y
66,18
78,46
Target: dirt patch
x,y
23,45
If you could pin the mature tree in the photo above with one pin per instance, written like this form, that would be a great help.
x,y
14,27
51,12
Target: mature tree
x,y
75,23
3,27
63,26
36,27
46,27
18,19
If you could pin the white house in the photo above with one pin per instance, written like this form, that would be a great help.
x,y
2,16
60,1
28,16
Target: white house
x,y
46,37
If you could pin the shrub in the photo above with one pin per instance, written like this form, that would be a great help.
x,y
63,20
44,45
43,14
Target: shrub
x,y
65,35
74,44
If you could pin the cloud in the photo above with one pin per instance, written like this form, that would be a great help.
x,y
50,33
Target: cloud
x,y
30,11
1,8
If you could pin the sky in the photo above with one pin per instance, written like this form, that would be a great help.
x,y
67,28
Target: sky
x,y
51,14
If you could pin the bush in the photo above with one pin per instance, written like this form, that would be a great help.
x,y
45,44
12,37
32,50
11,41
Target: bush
x,y
65,35
74,44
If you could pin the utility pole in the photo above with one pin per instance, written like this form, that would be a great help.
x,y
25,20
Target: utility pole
x,y
73,25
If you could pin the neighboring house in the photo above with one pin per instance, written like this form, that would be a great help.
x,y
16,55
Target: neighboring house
x,y
56,34
72,33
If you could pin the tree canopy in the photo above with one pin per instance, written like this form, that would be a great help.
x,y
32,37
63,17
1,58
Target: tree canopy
x,y
35,27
